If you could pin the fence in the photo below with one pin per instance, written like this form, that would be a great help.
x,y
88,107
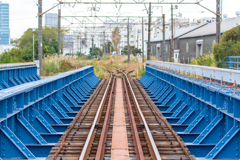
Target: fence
x,y
233,62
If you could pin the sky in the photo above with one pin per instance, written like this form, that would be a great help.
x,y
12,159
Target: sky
x,y
23,13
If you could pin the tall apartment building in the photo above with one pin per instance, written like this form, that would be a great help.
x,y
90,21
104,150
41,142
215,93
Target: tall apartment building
x,y
4,24
51,19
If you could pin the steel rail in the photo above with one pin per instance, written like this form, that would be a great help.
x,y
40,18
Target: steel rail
x,y
83,153
136,139
77,117
164,120
157,155
103,137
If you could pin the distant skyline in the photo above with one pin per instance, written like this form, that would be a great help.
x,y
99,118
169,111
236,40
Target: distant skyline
x,y
23,13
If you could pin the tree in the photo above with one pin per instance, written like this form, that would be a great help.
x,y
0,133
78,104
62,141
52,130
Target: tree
x,y
229,46
23,50
116,39
97,52
133,50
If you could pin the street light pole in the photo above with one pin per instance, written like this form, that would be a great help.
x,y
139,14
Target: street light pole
x,y
172,40
33,30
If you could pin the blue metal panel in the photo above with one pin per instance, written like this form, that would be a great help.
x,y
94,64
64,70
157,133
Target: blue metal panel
x,y
205,116
33,115
10,77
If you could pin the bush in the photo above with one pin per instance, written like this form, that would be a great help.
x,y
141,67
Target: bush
x,y
204,60
229,46
141,71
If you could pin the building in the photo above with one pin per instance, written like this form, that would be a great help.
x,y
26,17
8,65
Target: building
x,y
192,41
201,40
4,24
68,44
135,34
51,19
157,43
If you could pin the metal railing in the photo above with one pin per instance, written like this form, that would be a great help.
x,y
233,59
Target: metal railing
x,y
233,62
219,74
13,65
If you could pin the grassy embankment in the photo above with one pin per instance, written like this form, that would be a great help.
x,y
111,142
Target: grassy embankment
x,y
53,65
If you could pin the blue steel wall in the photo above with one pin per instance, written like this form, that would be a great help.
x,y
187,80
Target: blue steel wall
x,y
33,116
205,116
10,77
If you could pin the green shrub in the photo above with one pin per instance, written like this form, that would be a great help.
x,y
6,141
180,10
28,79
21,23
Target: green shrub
x,y
141,71
229,46
204,60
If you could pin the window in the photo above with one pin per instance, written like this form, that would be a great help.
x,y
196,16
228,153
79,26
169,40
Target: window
x,y
213,42
157,32
199,47
125,36
166,48
145,29
132,42
125,42
187,47
140,39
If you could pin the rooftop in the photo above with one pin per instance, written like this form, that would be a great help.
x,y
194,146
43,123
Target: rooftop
x,y
211,28
178,32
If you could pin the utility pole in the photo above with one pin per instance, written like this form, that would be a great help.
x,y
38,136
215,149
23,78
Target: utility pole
x,y
40,36
142,41
92,45
149,32
164,43
137,38
59,31
104,43
172,40
218,21
128,41
80,44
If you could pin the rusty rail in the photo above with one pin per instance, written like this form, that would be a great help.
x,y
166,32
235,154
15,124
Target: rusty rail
x,y
90,100
152,142
164,120
86,145
136,140
103,138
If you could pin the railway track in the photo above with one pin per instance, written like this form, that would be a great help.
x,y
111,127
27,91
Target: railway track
x,y
119,121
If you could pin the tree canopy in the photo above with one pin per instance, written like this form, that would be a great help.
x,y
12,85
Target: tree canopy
x,y
229,46
116,38
97,52
23,50
133,50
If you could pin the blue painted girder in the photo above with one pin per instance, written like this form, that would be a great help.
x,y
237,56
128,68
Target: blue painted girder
x,y
33,117
205,116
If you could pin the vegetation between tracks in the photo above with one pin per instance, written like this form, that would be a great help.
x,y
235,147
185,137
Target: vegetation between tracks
x,y
55,64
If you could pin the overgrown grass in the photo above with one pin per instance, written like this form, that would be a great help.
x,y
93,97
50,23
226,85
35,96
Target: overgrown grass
x,y
204,60
57,64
